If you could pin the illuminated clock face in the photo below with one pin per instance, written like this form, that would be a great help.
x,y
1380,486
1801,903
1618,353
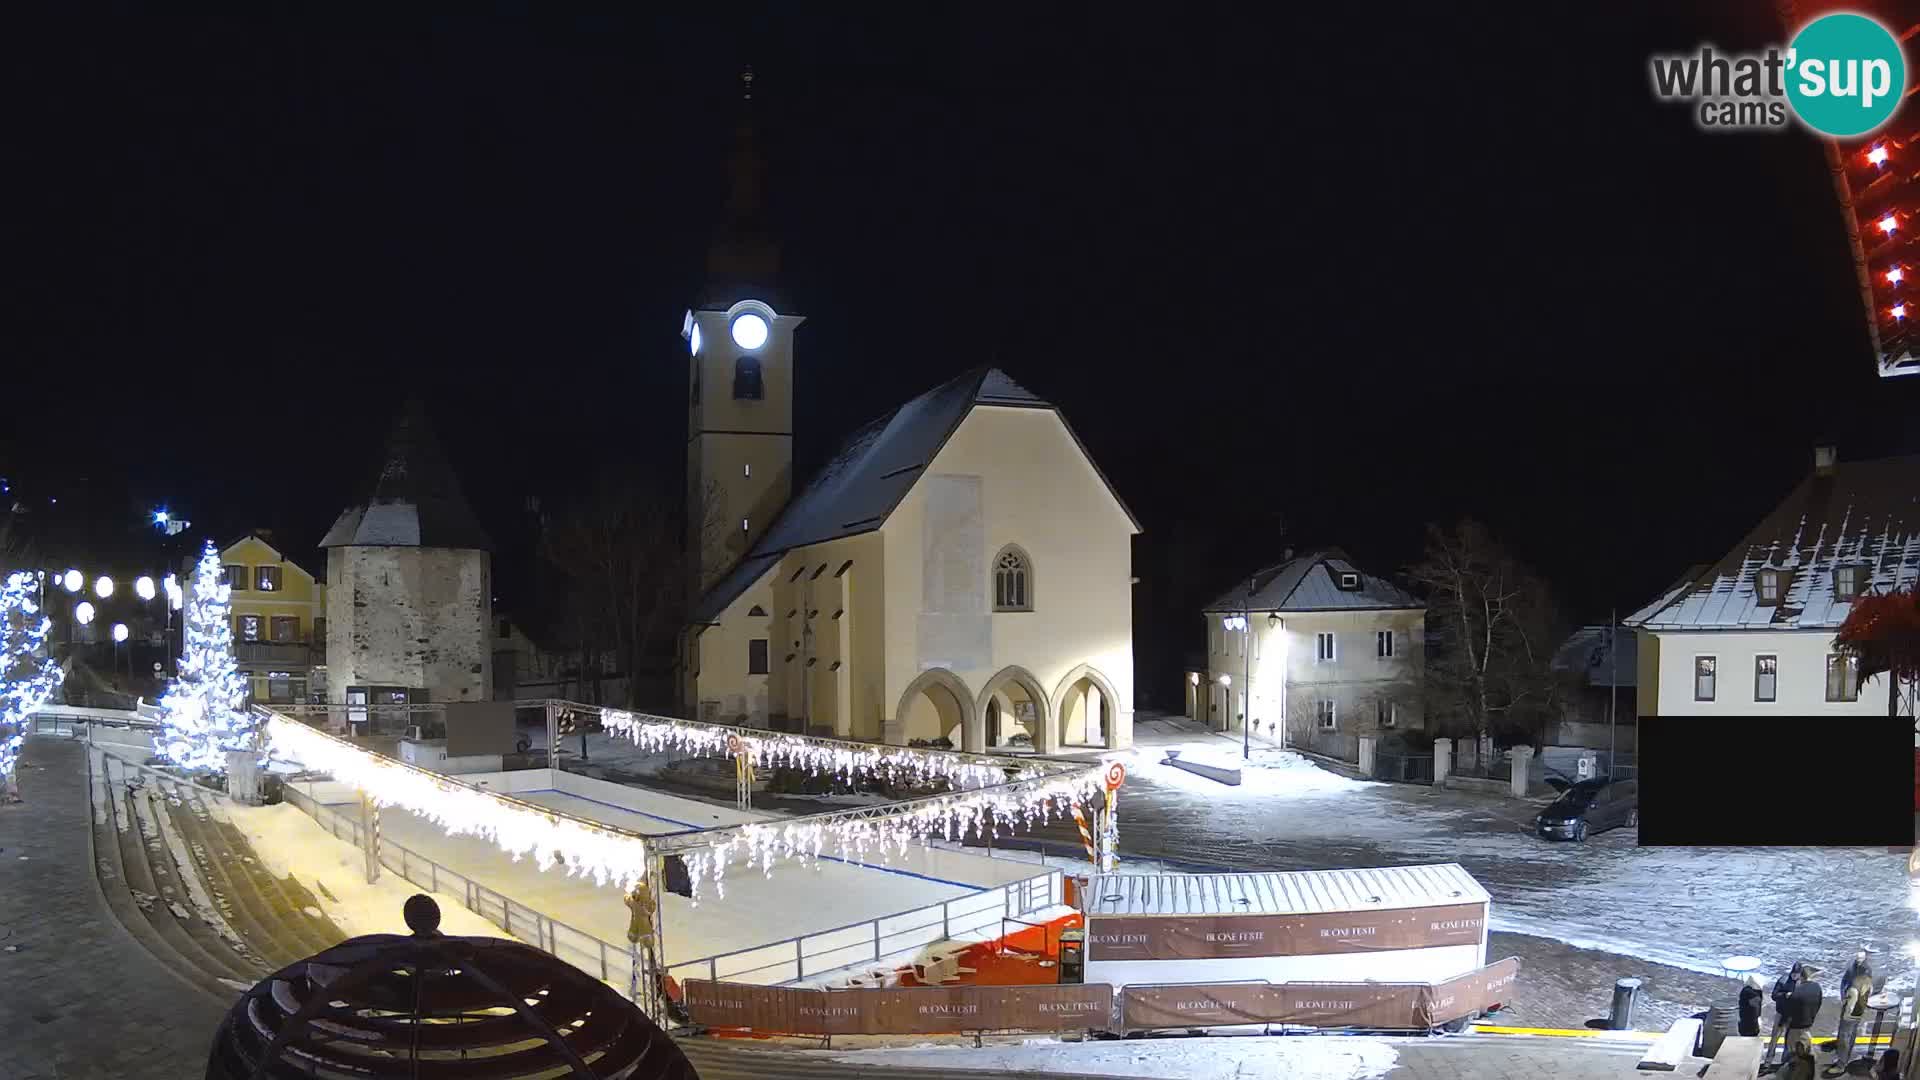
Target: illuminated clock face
x,y
693,339
749,331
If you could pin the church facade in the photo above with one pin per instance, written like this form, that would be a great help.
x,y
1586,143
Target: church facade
x,y
960,570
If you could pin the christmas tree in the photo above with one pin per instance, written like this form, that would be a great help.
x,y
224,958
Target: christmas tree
x,y
28,674
206,705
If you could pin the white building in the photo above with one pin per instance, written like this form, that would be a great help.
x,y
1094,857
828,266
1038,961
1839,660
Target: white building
x,y
1753,633
1321,645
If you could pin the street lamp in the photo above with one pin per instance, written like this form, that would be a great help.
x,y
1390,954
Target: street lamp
x,y
103,588
83,613
144,587
72,581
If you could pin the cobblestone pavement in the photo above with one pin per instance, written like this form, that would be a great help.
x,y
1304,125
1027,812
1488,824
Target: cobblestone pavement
x,y
79,998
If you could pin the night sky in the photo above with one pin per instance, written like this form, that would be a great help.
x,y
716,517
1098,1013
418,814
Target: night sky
x,y
1338,276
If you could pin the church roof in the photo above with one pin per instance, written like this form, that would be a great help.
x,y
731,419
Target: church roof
x,y
1863,514
416,500
1307,583
874,469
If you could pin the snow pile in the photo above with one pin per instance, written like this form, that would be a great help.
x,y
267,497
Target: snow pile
x,y
1300,1058
1269,773
335,872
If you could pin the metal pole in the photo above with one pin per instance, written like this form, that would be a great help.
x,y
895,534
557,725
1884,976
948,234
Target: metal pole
x,y
1246,673
1613,687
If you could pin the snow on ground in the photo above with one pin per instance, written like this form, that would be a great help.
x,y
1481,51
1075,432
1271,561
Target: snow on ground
x,y
1268,773
1295,1058
292,844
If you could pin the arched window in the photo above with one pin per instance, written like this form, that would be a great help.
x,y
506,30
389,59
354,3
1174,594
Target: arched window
x,y
746,379
1012,580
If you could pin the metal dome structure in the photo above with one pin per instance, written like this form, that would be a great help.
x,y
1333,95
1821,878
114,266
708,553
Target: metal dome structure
x,y
429,1005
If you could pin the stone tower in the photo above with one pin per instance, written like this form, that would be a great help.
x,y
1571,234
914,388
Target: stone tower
x,y
740,374
409,583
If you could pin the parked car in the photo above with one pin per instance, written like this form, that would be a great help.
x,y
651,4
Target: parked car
x,y
1590,806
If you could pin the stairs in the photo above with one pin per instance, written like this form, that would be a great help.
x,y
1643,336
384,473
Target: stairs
x,y
187,886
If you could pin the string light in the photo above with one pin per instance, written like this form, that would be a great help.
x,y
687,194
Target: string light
x,y
1877,155
205,706
607,855
1894,275
1899,311
1888,224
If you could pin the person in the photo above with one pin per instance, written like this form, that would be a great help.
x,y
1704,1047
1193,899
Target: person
x,y
1853,1006
1889,1067
1803,1008
1782,990
1857,966
1751,997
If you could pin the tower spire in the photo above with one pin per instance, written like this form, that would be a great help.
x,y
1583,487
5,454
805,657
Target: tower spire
x,y
744,256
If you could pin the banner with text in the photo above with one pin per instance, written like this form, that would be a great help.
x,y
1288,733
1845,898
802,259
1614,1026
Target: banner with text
x,y
929,1010
1209,937
1391,1006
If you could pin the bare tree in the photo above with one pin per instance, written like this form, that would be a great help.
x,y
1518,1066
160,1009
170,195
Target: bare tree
x,y
1491,626
623,558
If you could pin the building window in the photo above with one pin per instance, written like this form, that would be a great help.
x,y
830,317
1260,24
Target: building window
x,y
1766,678
236,578
1012,580
1323,648
1386,713
757,656
247,627
1703,667
280,688
746,379
286,629
1846,582
1349,580
1383,644
266,578
1843,678
1769,586
1327,714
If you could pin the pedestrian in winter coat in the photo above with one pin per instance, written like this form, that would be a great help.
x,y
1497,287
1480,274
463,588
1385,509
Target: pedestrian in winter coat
x,y
1782,990
1853,1006
1859,965
1752,996
1803,1008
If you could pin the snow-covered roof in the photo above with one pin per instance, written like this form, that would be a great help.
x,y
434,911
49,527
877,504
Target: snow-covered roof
x,y
1586,653
416,500
1297,893
1311,583
1863,514
875,468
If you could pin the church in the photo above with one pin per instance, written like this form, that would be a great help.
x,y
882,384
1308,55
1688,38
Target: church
x,y
960,570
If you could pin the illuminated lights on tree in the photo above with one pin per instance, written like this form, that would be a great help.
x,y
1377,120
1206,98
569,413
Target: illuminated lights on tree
x,y
1894,275
1877,155
1888,224
1899,311
28,673
205,705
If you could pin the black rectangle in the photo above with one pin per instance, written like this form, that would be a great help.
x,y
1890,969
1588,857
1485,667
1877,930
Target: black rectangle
x,y
1776,781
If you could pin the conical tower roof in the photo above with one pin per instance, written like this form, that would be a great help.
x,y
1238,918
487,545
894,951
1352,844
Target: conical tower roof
x,y
416,500
743,259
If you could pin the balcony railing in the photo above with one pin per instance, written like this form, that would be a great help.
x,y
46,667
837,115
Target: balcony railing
x,y
278,652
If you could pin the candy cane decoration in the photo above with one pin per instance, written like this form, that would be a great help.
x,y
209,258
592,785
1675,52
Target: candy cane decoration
x,y
1086,835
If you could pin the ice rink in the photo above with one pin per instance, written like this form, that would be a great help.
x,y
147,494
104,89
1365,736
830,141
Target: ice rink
x,y
757,909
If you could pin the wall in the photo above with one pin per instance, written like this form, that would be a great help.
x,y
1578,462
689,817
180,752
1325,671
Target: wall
x,y
1800,687
1395,965
1035,488
1355,679
299,597
413,617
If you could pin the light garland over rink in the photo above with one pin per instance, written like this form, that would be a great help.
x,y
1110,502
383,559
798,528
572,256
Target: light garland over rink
x,y
1041,791
849,761
608,855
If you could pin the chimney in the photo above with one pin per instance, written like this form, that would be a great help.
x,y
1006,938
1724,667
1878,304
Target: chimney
x,y
1823,460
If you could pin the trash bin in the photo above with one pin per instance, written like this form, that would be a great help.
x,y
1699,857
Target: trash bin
x,y
1620,1017
1073,957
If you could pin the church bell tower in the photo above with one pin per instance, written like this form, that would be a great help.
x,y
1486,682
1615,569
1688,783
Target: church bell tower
x,y
740,373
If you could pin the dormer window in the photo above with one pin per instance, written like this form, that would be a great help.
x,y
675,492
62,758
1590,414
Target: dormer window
x,y
1847,582
746,379
1349,580
1769,586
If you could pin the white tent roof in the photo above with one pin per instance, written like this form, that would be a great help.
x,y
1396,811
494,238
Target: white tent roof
x,y
1300,893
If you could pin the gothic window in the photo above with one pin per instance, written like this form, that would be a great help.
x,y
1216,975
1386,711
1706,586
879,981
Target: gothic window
x,y
746,379
1012,580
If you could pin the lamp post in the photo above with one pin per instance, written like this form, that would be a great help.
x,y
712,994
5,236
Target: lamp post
x,y
1246,674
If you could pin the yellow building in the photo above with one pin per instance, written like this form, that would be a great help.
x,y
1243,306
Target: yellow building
x,y
279,622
